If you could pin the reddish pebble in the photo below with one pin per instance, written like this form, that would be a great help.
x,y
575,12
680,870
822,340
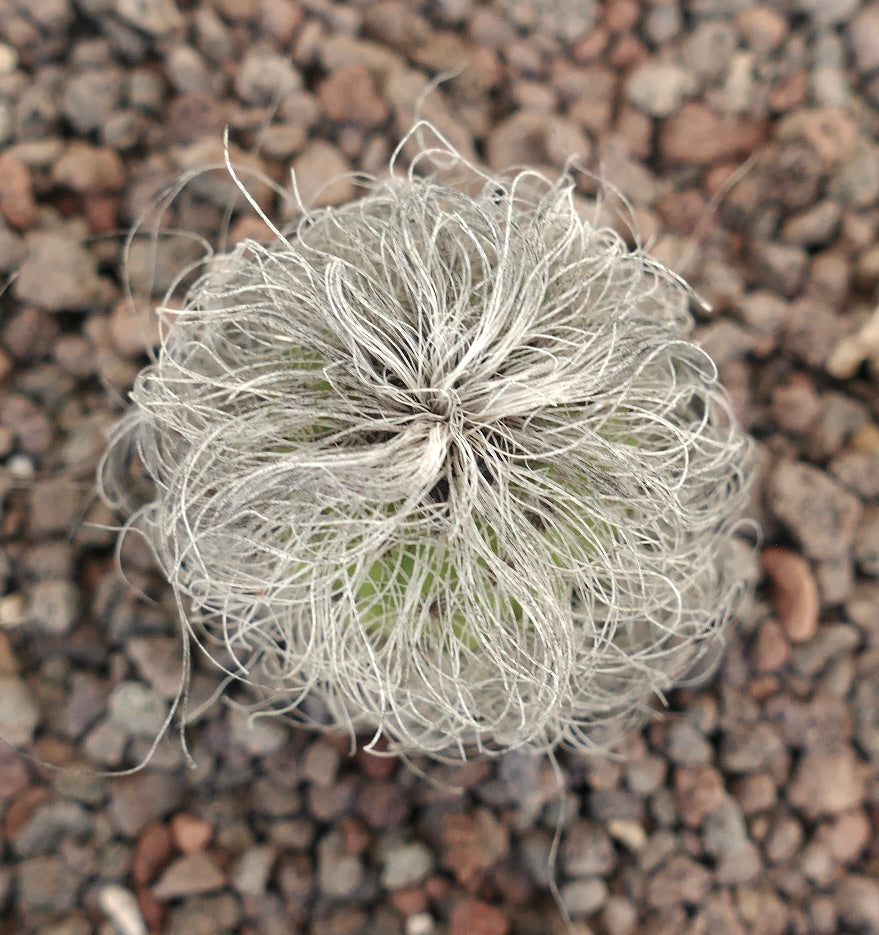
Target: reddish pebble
x,y
154,847
794,592
349,95
190,834
696,135
699,791
472,917
151,909
22,808
771,649
409,901
17,202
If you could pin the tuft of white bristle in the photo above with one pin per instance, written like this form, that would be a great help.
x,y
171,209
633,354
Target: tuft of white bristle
x,y
442,464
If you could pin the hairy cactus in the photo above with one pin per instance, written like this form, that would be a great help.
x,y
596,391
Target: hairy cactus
x,y
442,464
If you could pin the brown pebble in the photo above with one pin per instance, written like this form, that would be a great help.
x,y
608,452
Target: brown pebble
x,y
696,135
190,833
17,202
473,917
771,649
794,592
189,875
699,791
349,95
154,847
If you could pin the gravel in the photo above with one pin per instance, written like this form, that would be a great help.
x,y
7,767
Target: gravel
x,y
749,805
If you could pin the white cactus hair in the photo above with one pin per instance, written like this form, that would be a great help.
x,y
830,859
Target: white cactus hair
x,y
441,464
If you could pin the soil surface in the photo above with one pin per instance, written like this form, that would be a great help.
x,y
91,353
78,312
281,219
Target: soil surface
x,y
744,136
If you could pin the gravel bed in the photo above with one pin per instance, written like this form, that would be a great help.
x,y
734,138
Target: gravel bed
x,y
745,138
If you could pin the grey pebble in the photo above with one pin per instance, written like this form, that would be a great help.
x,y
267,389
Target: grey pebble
x,y
584,897
46,883
58,274
406,864
155,17
265,78
251,872
144,797
820,513
54,605
658,88
19,714
138,709
866,541
90,98
587,851
338,874
858,901
48,824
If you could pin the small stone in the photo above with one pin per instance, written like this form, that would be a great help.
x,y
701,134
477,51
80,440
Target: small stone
x,y
154,847
686,746
629,832
755,793
779,266
251,873
698,791
863,33
121,908
13,611
535,139
763,28
473,844
813,227
866,541
259,736
584,897
830,642
48,824
46,884
90,98
827,783
19,714
857,898
87,169
158,660
349,95
847,835
156,17
54,606
189,875
473,917
405,865
680,881
321,175
795,404
320,763
190,833
138,800
819,724
265,78
817,510
137,709
17,203
339,874
696,135
58,274
105,743
382,804
795,594
771,649
658,88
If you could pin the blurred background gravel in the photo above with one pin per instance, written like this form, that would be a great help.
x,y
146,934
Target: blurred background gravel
x,y
752,806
